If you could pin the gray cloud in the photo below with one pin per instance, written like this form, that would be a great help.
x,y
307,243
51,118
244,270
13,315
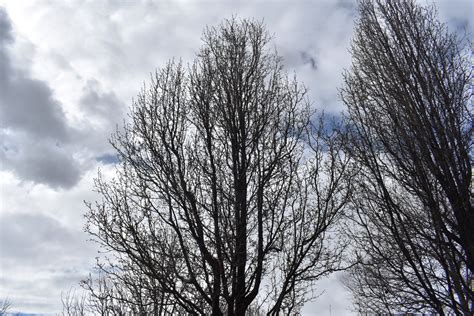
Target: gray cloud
x,y
26,103
5,39
104,112
309,60
458,15
5,27
39,161
33,236
33,124
102,105
50,256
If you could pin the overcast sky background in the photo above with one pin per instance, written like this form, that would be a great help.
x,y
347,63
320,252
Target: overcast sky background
x,y
68,72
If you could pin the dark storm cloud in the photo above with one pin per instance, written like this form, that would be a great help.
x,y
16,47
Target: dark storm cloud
x,y
32,124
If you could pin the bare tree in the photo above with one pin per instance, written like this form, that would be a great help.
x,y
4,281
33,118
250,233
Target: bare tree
x,y
73,303
410,135
124,290
215,202
5,306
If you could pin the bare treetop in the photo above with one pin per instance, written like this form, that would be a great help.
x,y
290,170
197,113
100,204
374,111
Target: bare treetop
x,y
410,135
212,203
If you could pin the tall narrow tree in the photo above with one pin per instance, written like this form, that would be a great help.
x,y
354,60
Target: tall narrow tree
x,y
410,136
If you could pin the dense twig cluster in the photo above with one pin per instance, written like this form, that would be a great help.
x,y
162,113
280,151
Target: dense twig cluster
x,y
213,208
410,133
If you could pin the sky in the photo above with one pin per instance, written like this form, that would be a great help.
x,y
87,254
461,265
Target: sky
x,y
68,73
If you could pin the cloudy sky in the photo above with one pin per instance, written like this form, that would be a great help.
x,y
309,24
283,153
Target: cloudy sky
x,y
69,70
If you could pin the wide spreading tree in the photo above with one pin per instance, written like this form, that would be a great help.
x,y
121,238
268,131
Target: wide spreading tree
x,y
226,194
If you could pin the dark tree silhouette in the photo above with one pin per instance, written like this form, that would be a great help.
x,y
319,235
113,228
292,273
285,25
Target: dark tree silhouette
x,y
410,135
216,202
125,290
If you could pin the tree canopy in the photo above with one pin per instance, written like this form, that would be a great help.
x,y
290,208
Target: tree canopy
x,y
409,137
215,208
